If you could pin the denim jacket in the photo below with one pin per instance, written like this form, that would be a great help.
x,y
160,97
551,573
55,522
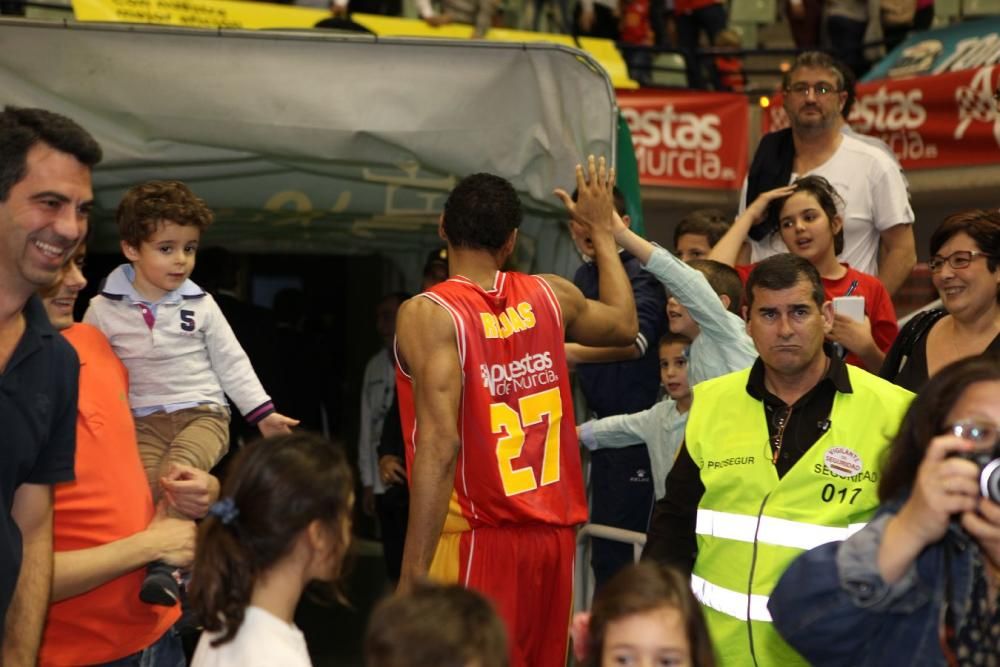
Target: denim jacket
x,y
833,606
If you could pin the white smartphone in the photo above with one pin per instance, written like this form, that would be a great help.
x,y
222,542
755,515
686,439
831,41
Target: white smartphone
x,y
852,306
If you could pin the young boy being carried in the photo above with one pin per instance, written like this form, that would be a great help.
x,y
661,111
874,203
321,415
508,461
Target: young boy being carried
x,y
181,355
661,427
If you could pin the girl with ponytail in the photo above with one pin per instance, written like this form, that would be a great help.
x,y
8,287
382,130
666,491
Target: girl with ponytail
x,y
282,521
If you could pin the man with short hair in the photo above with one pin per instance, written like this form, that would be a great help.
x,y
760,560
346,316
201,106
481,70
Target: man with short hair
x,y
778,458
878,219
496,490
45,198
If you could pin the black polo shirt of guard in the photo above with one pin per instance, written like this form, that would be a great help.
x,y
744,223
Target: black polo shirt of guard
x,y
38,392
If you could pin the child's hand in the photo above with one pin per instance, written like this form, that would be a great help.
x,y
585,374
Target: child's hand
x,y
617,224
276,424
759,206
853,335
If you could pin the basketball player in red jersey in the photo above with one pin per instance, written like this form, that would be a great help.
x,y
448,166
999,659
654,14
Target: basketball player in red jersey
x,y
496,488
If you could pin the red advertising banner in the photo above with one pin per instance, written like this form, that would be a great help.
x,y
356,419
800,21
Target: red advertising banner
x,y
945,120
687,138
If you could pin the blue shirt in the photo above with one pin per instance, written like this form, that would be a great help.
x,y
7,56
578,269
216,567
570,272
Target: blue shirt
x,y
38,391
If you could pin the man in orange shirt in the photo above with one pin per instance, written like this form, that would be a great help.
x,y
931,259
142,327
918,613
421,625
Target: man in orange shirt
x,y
105,528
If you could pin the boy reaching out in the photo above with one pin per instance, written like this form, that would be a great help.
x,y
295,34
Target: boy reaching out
x,y
661,427
704,302
181,355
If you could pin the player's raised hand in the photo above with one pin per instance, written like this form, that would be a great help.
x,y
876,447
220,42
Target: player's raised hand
x,y
594,206
276,424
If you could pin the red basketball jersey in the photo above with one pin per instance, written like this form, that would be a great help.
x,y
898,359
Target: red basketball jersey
x,y
520,460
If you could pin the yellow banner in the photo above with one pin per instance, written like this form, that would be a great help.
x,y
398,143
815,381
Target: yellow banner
x,y
263,15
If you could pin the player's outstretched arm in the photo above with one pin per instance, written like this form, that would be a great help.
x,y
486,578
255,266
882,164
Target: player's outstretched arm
x,y
429,350
612,320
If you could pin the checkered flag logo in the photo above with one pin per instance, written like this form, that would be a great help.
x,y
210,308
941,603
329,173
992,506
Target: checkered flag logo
x,y
976,103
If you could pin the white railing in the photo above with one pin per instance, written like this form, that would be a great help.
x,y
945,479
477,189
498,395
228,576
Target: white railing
x,y
583,585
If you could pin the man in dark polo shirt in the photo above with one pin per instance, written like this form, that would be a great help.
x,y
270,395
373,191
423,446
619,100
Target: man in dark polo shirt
x,y
45,197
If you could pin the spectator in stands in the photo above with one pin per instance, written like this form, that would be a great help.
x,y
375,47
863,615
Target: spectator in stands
x,y
878,232
695,17
45,197
661,20
811,228
619,381
697,232
560,21
965,269
918,584
635,32
105,527
846,23
478,13
730,66
805,18
747,490
596,18
646,615
284,520
661,427
378,393
436,626
907,17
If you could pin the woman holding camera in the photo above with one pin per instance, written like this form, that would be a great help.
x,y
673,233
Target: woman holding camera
x,y
965,269
920,584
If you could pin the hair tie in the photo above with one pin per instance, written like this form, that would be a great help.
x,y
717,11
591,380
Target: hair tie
x,y
579,631
225,511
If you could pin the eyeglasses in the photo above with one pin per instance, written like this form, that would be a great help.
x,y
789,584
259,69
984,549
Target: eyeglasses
x,y
975,431
960,259
820,89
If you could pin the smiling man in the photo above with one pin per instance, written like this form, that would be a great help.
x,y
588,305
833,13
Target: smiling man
x,y
45,197
778,458
878,219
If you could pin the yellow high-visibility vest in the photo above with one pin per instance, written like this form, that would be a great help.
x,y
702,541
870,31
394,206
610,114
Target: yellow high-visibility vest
x,y
751,524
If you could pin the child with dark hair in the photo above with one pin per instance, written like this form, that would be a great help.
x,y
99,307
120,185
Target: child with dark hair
x,y
181,354
645,615
661,427
811,227
283,520
698,231
436,626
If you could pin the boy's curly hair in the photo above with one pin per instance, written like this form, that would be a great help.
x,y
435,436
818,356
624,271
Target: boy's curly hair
x,y
148,205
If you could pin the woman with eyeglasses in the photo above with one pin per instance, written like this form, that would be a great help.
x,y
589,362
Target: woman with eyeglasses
x,y
965,269
920,584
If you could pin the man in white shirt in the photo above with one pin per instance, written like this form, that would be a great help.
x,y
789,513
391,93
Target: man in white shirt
x,y
377,391
878,219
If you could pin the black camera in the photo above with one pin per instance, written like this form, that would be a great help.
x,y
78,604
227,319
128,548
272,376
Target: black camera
x,y
986,456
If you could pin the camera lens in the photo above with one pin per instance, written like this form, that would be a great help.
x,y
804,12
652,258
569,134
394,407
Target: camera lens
x,y
989,480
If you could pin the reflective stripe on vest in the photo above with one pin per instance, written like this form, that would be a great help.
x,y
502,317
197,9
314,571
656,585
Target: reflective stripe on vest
x,y
772,530
731,603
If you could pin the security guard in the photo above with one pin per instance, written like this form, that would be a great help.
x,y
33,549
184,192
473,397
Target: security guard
x,y
778,458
